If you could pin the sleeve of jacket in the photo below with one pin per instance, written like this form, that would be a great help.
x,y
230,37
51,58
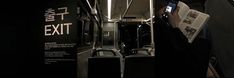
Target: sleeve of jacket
x,y
168,38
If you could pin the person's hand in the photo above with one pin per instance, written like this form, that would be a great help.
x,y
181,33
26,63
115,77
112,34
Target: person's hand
x,y
174,19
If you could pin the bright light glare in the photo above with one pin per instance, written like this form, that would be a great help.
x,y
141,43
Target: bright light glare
x,y
109,8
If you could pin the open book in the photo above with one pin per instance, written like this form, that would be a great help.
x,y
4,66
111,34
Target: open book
x,y
192,21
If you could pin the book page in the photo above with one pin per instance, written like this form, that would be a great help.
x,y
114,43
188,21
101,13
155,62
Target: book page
x,y
183,9
192,24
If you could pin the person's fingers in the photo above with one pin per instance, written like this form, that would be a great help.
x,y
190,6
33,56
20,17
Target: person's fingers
x,y
177,10
171,19
169,14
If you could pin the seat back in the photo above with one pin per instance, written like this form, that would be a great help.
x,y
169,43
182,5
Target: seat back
x,y
139,67
104,66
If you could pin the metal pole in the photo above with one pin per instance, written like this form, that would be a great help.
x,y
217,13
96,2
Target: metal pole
x,y
129,4
138,37
151,23
114,35
102,34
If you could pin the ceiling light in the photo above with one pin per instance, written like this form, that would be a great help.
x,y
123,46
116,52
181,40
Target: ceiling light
x,y
109,8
